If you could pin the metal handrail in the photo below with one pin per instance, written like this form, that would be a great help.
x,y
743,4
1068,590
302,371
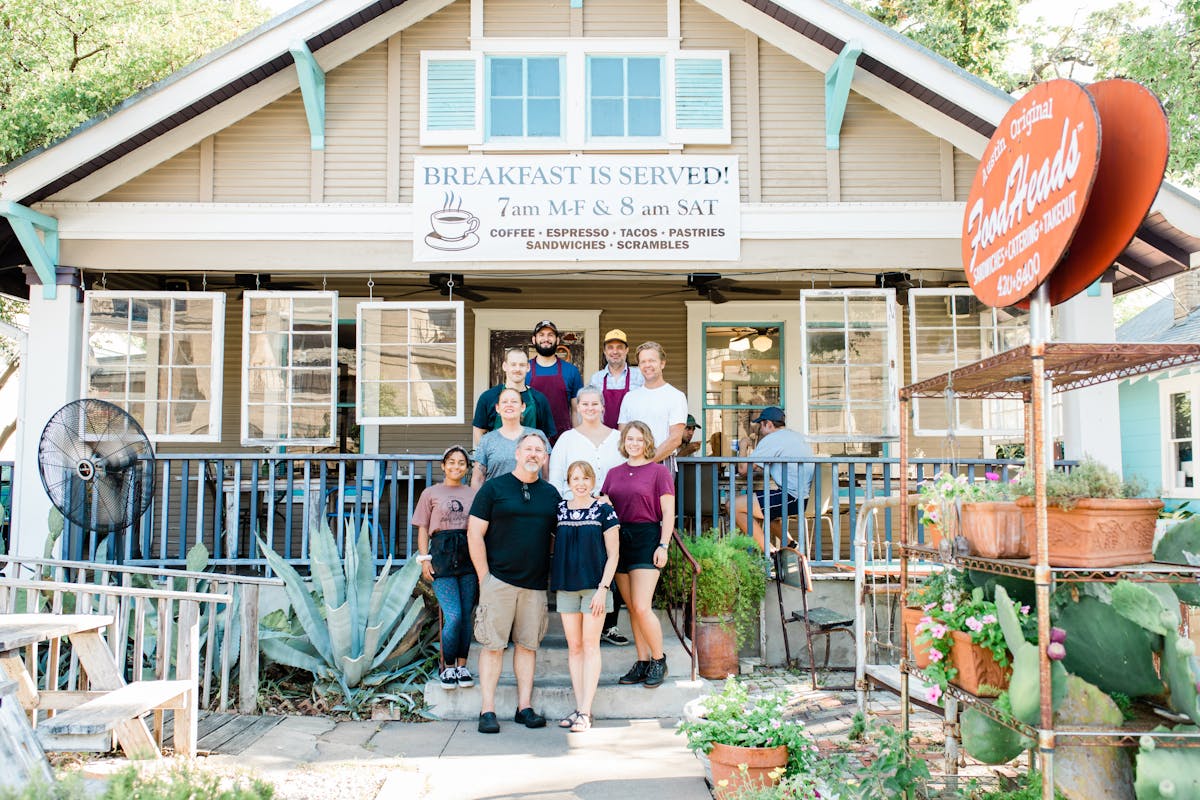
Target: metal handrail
x,y
689,612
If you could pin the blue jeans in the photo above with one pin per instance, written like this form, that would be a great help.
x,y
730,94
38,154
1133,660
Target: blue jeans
x,y
457,597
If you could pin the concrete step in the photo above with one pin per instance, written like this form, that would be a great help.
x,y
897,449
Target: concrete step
x,y
553,656
553,697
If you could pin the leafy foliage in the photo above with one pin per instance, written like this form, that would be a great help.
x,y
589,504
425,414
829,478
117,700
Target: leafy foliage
x,y
732,579
965,613
63,62
1089,478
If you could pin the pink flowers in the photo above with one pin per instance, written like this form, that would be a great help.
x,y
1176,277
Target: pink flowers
x,y
937,630
948,607
992,476
936,655
1025,610
935,694
973,624
988,619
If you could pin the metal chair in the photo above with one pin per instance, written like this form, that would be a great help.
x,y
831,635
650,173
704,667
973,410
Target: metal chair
x,y
791,568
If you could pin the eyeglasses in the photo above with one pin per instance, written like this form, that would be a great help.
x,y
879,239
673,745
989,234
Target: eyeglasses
x,y
525,491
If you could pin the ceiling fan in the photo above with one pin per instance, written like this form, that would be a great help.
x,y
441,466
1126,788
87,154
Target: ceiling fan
x,y
760,338
450,284
714,288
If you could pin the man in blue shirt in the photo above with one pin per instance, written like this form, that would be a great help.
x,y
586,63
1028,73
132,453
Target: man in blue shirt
x,y
554,377
789,496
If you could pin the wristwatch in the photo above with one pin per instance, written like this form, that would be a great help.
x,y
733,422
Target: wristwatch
x,y
665,545
603,586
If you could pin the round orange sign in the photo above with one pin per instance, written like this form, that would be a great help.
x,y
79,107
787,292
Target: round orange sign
x,y
1030,191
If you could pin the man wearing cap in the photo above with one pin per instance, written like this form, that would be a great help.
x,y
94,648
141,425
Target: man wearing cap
x,y
688,448
616,379
537,408
554,377
791,495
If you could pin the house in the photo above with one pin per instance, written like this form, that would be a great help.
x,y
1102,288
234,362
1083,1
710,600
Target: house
x,y
1158,439
320,237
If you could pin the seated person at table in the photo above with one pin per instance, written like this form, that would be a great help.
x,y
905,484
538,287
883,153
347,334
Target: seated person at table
x,y
776,441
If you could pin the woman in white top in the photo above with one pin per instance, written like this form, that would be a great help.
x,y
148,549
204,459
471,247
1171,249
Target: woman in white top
x,y
591,441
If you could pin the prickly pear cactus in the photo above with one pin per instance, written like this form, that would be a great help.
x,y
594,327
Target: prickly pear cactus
x,y
1109,650
1181,671
987,740
1086,772
1167,773
1181,545
1024,687
1155,607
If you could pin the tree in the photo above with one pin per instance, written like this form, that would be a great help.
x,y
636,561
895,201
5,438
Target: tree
x,y
63,62
974,34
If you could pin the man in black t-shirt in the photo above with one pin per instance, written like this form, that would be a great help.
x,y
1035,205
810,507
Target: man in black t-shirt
x,y
512,521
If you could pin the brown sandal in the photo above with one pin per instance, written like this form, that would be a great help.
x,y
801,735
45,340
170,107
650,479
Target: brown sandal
x,y
583,722
569,720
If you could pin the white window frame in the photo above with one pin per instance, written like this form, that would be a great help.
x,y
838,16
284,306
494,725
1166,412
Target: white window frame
x,y
665,65
216,377
247,297
457,417
1189,384
890,395
991,348
563,91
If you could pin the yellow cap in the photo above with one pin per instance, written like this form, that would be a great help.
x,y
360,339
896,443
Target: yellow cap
x,y
616,335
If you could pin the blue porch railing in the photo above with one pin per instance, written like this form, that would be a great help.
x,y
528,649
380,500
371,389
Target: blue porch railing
x,y
6,495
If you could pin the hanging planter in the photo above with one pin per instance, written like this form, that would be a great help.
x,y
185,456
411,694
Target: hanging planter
x,y
995,530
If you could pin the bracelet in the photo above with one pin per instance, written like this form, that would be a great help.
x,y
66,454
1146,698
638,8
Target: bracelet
x,y
665,545
424,557
602,586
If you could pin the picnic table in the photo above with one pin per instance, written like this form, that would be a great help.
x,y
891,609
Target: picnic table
x,y
87,718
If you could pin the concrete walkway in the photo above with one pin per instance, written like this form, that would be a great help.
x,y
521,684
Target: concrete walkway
x,y
312,757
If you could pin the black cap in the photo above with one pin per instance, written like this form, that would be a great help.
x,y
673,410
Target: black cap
x,y
545,324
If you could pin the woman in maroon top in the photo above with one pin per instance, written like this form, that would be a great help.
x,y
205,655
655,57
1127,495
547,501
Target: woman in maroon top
x,y
643,493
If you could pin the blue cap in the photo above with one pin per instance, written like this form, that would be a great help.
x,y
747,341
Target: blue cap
x,y
771,414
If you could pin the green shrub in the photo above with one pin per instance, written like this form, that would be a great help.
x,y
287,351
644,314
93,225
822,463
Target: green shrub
x,y
1089,479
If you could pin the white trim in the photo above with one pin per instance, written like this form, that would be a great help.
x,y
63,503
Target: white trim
x,y
249,296
589,45
216,376
456,418
514,319
1177,385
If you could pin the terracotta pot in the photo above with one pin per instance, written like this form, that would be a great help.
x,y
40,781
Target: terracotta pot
x,y
1096,533
995,530
716,647
726,761
976,668
909,618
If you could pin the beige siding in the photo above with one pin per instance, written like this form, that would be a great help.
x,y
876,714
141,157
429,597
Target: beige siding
x,y
624,18
176,180
521,18
266,157
448,29
356,129
886,158
701,29
793,129
965,167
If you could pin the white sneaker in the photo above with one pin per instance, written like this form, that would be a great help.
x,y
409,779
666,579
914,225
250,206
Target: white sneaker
x,y
464,677
449,678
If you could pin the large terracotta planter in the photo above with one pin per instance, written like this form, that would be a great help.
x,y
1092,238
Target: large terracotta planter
x,y
995,530
1096,533
726,761
909,617
978,672
716,647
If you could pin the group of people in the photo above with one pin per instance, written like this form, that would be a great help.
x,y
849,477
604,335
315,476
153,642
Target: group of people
x,y
569,490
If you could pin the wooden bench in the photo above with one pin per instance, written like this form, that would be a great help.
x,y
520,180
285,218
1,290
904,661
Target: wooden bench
x,y
90,724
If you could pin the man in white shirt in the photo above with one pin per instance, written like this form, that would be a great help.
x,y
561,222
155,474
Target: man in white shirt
x,y
616,380
658,404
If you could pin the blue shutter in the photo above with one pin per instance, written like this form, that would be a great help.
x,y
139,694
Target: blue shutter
x,y
700,111
450,90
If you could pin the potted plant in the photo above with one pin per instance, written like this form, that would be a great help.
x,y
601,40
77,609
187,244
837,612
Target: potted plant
x,y
939,498
960,641
991,522
1095,519
747,740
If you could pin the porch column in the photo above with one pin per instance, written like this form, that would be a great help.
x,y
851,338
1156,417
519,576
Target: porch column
x,y
50,377
1091,416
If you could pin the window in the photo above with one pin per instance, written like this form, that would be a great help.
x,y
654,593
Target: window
x,y
289,369
950,328
410,358
743,375
849,364
625,96
158,356
524,97
1179,397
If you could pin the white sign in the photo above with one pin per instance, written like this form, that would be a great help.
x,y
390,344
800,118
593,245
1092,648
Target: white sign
x,y
576,208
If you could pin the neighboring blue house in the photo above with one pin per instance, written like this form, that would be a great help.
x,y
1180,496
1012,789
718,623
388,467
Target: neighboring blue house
x,y
1158,437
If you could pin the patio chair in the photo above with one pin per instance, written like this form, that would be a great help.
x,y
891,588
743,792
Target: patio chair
x,y
792,568
819,508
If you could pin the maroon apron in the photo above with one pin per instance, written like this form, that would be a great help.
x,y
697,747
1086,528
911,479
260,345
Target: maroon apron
x,y
555,389
613,399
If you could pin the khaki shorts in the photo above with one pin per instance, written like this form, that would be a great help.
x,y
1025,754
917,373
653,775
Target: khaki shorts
x,y
506,611
580,602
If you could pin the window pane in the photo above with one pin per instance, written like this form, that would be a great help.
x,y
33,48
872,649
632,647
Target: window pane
x,y
270,313
868,347
190,348
867,313
821,312
190,384
506,78
267,422
311,386
266,386
608,118
543,77
430,326
310,422
506,118
311,313
827,383
543,117
644,77
193,315
1181,416
437,399
645,118
608,78
268,350
827,348
434,362
385,399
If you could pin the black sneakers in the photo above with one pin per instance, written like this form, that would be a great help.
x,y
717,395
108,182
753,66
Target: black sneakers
x,y
636,674
656,672
488,722
529,718
614,636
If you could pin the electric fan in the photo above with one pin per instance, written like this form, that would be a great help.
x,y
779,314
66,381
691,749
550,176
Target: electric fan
x,y
96,465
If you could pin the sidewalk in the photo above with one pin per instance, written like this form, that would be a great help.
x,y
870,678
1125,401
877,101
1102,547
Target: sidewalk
x,y
312,758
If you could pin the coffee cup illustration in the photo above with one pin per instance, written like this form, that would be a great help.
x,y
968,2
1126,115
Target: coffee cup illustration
x,y
453,224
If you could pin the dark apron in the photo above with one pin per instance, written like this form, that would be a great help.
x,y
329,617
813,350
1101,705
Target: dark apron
x,y
613,399
555,389
451,558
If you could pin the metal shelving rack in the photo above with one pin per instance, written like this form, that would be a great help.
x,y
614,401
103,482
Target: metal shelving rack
x,y
1030,373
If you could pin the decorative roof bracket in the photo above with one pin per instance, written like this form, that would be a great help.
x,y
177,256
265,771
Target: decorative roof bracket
x,y
837,92
312,88
41,250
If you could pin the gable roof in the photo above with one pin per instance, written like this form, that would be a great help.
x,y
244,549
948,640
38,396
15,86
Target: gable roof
x,y
1157,325
892,70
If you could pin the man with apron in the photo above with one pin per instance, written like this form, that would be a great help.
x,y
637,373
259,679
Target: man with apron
x,y
554,377
616,379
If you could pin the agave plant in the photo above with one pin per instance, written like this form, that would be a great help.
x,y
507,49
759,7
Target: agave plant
x,y
358,630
